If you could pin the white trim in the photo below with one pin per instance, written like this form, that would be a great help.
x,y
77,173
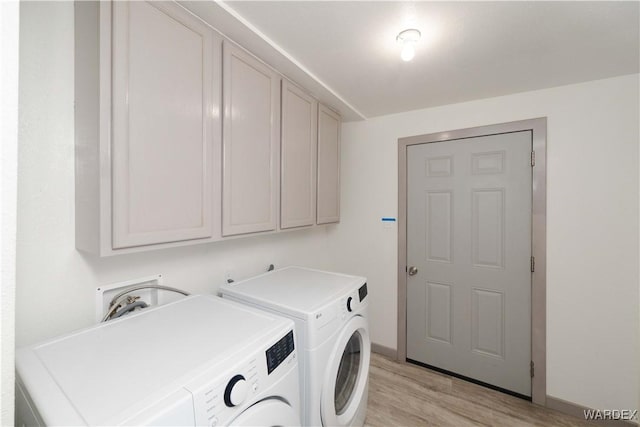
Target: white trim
x,y
389,352
9,72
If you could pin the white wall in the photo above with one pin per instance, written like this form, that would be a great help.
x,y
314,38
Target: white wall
x,y
592,219
9,32
55,283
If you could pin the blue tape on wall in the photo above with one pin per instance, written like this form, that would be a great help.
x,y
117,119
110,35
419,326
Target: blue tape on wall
x,y
388,219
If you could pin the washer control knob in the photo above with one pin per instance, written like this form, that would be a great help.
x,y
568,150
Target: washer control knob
x,y
236,391
349,304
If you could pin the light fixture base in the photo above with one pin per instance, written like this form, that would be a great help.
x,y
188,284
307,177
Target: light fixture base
x,y
408,39
409,35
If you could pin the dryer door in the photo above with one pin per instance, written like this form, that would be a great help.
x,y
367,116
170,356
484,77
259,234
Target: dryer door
x,y
268,413
345,382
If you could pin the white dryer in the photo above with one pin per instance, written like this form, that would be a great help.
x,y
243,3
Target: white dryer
x,y
198,361
330,313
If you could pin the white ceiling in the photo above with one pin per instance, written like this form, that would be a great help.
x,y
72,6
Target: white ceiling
x,y
469,50
345,53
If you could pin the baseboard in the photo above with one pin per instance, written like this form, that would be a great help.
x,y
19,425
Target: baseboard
x,y
385,351
578,411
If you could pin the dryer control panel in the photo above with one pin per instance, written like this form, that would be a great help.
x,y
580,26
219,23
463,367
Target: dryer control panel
x,y
353,302
362,293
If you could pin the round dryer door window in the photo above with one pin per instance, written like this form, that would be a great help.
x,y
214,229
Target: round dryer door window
x,y
348,372
344,389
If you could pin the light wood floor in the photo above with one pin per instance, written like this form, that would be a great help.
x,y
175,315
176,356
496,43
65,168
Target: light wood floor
x,y
408,395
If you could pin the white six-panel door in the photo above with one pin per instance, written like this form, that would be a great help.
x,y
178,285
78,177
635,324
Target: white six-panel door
x,y
469,236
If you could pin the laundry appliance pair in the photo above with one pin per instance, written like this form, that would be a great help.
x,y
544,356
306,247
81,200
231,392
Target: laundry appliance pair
x,y
330,312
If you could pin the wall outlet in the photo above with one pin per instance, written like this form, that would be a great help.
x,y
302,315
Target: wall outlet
x,y
104,294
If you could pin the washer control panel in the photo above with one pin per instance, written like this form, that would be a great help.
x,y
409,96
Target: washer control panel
x,y
236,391
277,353
222,392
215,399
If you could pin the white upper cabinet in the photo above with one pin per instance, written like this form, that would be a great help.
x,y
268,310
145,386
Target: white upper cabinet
x,y
328,166
178,135
163,98
250,143
148,82
298,157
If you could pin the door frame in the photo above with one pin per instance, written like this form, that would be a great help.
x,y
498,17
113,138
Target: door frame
x,y
538,127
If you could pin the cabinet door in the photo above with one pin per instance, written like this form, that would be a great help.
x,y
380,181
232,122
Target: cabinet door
x,y
164,98
298,155
250,143
328,166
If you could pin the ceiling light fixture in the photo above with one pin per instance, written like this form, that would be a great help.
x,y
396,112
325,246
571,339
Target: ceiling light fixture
x,y
408,39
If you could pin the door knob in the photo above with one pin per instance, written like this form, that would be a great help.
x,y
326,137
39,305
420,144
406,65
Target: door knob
x,y
413,271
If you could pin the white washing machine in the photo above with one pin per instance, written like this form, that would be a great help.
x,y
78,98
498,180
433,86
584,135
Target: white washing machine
x,y
330,313
199,361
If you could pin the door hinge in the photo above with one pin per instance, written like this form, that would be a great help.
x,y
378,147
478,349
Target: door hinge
x,y
533,158
532,369
533,264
